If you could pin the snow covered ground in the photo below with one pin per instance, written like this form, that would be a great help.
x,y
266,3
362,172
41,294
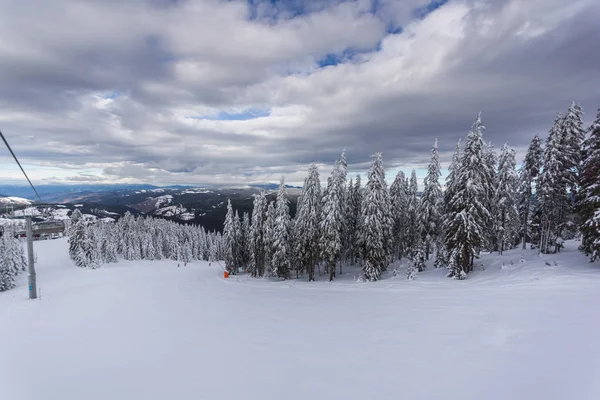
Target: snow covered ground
x,y
151,330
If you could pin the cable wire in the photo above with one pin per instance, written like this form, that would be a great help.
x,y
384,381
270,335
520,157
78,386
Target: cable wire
x,y
22,170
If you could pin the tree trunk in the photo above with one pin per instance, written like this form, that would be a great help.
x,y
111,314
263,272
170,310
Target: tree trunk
x,y
331,271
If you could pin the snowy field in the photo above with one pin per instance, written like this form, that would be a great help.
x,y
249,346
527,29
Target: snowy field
x,y
151,330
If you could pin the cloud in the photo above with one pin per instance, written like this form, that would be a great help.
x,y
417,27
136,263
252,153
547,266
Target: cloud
x,y
165,91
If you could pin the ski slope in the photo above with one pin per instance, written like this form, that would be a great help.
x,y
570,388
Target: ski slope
x,y
151,330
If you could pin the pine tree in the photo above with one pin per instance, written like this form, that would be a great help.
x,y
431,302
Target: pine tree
x,y
356,196
13,254
230,238
507,216
78,243
7,276
91,248
574,137
431,204
467,209
588,206
238,242
375,239
416,260
281,235
553,201
413,228
245,241
269,238
490,185
528,177
331,241
76,216
399,210
186,253
257,236
307,223
451,179
345,234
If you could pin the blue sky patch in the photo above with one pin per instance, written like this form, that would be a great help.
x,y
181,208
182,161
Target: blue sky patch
x,y
110,95
427,9
245,115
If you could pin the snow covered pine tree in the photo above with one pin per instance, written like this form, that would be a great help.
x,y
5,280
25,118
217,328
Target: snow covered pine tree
x,y
281,245
467,212
375,235
589,194
307,223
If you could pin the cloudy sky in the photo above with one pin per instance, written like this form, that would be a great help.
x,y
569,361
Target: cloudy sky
x,y
241,91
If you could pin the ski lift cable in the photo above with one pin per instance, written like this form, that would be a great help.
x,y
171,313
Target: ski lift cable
x,y
20,166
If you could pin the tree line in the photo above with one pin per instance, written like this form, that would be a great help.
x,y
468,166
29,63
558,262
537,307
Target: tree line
x,y
12,258
488,205
141,238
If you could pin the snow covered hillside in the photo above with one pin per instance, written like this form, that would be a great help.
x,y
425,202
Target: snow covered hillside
x,y
521,327
13,200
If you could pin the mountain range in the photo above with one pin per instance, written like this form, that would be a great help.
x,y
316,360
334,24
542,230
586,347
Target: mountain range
x,y
205,206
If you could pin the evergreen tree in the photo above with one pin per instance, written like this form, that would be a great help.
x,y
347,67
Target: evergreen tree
x,y
375,236
431,204
588,206
230,238
528,177
13,254
76,216
238,243
331,223
257,236
91,248
245,240
451,180
281,235
186,253
507,216
413,228
7,276
344,228
355,214
399,209
464,223
77,244
416,260
307,223
270,238
574,137
553,201
490,185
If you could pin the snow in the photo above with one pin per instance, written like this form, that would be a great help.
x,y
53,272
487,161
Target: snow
x,y
196,191
166,199
60,214
151,330
27,211
11,221
186,216
12,200
170,211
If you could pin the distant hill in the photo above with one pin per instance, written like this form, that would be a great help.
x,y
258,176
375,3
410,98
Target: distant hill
x,y
204,206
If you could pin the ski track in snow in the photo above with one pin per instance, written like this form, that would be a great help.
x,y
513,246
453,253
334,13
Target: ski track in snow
x,y
151,330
